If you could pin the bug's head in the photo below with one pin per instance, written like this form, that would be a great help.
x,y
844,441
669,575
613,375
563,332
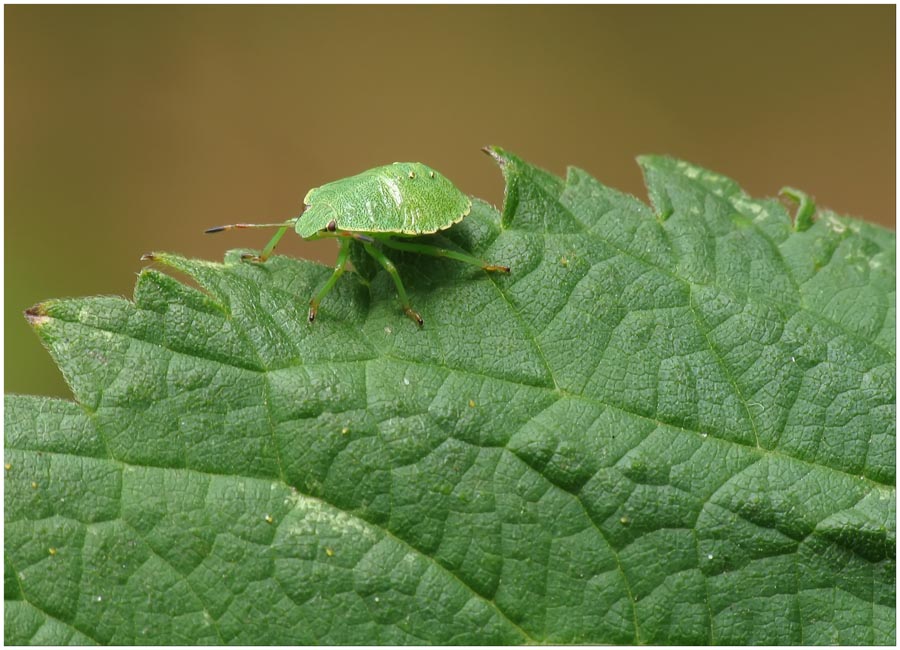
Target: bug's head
x,y
316,219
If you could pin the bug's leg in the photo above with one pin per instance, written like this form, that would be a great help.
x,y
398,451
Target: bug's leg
x,y
264,255
282,228
392,270
427,249
339,267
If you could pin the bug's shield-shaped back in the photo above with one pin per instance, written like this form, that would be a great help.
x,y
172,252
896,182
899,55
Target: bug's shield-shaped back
x,y
400,199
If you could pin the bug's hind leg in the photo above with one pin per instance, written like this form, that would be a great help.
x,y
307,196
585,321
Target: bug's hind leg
x,y
339,268
426,249
392,270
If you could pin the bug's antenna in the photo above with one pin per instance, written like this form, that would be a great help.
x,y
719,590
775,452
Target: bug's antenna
x,y
232,226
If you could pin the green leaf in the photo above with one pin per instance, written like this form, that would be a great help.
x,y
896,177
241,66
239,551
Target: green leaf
x,y
665,426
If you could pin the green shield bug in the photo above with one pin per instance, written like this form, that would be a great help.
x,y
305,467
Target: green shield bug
x,y
390,205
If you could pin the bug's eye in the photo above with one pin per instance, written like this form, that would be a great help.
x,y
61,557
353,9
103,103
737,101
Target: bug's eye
x,y
332,226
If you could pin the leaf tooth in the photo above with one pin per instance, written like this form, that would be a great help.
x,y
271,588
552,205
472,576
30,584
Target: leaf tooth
x,y
496,153
36,315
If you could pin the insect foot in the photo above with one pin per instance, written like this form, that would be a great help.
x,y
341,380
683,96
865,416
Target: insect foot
x,y
412,313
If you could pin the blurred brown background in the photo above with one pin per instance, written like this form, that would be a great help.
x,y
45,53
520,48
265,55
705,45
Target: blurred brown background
x,y
131,129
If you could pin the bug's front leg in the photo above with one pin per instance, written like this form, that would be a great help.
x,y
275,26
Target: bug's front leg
x,y
267,251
